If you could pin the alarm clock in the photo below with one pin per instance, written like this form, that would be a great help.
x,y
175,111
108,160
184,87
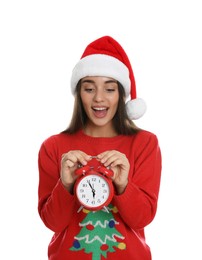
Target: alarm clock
x,y
94,188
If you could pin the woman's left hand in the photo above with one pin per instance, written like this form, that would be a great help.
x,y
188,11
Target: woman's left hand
x,y
119,164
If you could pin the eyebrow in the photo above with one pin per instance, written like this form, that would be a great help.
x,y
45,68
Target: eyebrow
x,y
92,81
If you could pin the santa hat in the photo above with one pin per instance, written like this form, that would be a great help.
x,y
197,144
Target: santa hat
x,y
105,57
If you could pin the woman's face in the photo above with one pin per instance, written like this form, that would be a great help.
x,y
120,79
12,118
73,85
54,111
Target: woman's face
x,y
100,96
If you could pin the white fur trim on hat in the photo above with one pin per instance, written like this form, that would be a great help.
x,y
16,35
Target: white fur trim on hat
x,y
136,108
101,65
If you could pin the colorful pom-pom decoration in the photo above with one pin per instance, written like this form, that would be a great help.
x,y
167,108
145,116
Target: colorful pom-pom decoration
x,y
76,244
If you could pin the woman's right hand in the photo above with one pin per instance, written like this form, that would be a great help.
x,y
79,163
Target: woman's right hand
x,y
69,163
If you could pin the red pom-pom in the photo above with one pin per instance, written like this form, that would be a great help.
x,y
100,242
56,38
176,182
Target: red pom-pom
x,y
104,247
90,227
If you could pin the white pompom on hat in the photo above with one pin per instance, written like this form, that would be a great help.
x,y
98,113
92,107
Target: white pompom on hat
x,y
105,57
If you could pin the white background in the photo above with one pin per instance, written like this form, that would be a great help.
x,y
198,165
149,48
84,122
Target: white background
x,y
40,42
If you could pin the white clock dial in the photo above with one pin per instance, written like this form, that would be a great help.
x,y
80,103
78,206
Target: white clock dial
x,y
93,191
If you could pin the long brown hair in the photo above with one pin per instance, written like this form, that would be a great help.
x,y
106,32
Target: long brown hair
x,y
121,121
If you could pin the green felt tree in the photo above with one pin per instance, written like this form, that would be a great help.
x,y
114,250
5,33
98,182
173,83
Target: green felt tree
x,y
98,234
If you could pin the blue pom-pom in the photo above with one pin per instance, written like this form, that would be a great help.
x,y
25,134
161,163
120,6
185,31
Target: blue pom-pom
x,y
111,223
76,244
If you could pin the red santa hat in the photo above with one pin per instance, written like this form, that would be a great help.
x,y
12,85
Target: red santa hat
x,y
105,57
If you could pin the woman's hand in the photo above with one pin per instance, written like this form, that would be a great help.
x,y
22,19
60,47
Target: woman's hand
x,y
119,164
69,163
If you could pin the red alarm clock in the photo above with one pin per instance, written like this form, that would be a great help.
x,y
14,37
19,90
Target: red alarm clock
x,y
93,187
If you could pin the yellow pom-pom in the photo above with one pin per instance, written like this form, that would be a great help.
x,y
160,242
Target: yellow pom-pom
x,y
86,211
122,246
115,210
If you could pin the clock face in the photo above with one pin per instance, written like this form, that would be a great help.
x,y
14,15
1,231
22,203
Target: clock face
x,y
94,191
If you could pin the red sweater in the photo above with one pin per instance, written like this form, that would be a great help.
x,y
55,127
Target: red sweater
x,y
117,234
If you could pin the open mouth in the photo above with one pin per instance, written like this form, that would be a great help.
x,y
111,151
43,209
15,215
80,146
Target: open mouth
x,y
100,111
99,108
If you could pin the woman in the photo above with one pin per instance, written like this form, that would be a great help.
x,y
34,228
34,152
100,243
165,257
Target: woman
x,y
101,128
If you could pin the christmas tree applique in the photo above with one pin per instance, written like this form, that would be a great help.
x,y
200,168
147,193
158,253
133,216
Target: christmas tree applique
x,y
98,234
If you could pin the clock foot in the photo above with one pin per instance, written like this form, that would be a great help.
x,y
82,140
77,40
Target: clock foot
x,y
79,209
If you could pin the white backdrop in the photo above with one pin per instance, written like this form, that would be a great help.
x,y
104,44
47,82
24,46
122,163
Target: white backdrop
x,y
40,43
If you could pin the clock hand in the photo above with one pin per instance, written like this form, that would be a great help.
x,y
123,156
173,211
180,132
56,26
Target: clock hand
x,y
93,193
93,190
90,184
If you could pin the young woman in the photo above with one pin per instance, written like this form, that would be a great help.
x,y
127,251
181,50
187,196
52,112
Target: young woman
x,y
101,134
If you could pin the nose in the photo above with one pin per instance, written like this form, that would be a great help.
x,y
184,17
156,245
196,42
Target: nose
x,y
99,95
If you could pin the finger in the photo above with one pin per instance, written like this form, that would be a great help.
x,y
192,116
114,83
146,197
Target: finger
x,y
83,158
115,162
105,155
74,157
109,157
69,157
69,164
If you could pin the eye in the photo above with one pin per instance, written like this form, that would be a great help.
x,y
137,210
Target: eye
x,y
111,86
88,89
110,89
87,86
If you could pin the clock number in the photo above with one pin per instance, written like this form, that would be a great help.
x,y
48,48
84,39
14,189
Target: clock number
x,y
81,190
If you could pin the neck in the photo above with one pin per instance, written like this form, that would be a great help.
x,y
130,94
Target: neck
x,y
98,131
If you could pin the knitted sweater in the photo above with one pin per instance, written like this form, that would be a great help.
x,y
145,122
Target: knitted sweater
x,y
98,235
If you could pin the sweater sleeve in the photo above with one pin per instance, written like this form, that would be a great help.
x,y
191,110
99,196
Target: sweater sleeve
x,y
138,204
55,203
